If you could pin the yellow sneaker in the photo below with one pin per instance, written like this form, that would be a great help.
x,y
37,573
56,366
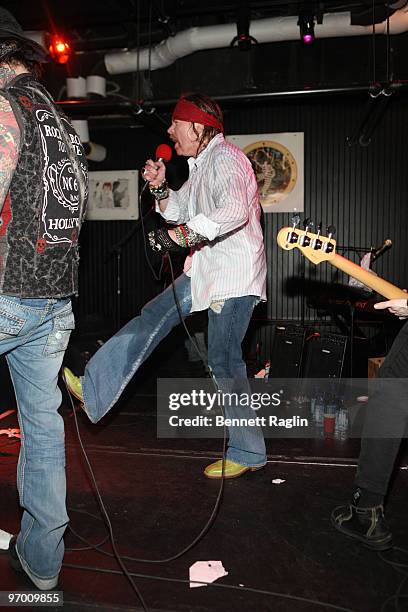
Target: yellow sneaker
x,y
73,384
231,469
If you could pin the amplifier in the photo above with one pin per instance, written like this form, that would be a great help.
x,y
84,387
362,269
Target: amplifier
x,y
287,350
324,356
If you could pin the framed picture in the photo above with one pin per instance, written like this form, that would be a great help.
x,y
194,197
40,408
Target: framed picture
x,y
113,195
277,160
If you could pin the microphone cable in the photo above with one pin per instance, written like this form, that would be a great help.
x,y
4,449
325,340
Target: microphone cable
x,y
214,512
142,218
116,554
105,514
216,506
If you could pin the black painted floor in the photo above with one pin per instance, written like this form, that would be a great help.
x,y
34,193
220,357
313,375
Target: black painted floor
x,y
269,537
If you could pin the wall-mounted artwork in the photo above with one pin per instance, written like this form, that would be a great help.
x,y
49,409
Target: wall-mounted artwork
x,y
277,160
113,195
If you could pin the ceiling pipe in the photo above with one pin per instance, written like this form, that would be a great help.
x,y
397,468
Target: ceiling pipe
x,y
253,97
277,29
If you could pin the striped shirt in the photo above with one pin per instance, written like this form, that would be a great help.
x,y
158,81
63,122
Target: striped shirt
x,y
220,201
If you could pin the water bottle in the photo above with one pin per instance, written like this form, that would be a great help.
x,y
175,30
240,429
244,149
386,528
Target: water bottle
x,y
319,409
312,406
342,423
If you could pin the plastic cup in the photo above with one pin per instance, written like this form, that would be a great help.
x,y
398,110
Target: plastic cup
x,y
329,423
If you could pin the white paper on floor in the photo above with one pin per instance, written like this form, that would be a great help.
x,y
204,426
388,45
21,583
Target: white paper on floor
x,y
206,571
278,481
4,539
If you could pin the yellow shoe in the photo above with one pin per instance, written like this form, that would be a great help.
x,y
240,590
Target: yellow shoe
x,y
231,469
73,384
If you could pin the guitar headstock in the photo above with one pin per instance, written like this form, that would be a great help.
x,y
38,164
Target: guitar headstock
x,y
315,247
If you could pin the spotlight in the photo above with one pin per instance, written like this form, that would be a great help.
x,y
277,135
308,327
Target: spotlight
x,y
306,27
59,49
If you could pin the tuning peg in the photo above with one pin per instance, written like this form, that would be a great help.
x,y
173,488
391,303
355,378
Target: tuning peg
x,y
293,237
295,220
307,223
304,240
316,243
328,246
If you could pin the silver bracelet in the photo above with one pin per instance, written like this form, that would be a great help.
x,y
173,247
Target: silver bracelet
x,y
160,192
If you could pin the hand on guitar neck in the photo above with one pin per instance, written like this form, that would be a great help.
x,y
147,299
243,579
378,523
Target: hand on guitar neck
x,y
398,307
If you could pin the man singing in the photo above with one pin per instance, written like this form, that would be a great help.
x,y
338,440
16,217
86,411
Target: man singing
x,y
215,218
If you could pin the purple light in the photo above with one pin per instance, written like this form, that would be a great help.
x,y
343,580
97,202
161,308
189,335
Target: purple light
x,y
307,38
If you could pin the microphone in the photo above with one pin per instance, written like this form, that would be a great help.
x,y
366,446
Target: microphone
x,y
164,153
376,253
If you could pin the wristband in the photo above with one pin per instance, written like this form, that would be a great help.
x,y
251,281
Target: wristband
x,y
160,192
190,236
161,242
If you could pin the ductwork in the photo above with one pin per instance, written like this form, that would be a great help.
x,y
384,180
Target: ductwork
x,y
276,29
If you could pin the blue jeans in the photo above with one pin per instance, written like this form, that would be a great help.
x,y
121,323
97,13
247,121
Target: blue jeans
x,y
113,365
34,334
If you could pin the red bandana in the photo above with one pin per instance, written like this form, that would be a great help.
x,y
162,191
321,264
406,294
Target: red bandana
x,y
187,111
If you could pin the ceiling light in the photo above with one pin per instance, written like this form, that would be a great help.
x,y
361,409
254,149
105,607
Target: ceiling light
x,y
306,27
59,49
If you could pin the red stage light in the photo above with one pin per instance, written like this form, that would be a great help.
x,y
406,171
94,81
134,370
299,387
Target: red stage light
x,y
59,49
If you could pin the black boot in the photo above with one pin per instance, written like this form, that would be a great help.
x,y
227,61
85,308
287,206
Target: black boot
x,y
364,524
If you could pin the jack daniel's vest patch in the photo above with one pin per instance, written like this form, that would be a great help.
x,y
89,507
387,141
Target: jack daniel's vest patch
x,y
42,213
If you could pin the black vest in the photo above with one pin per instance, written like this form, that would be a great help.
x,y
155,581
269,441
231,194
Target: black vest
x,y
42,214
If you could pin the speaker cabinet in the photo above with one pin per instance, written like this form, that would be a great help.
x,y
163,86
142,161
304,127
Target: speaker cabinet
x,y
287,350
324,356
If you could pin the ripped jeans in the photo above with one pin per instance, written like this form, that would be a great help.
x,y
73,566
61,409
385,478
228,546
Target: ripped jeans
x,y
34,334
114,364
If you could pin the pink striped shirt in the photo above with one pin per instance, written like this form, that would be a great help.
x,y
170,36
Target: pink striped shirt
x,y
220,201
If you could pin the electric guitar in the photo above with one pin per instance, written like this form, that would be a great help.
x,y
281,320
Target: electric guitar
x,y
318,248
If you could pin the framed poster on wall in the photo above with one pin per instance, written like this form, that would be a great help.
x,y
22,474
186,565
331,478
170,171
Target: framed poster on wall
x,y
277,160
113,195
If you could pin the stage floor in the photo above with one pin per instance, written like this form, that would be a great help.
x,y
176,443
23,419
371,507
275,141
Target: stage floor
x,y
274,540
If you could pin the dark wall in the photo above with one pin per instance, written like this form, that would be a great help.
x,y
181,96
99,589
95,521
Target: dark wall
x,y
113,256
363,191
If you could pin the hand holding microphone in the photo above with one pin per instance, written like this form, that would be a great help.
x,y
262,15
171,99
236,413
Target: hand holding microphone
x,y
154,172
